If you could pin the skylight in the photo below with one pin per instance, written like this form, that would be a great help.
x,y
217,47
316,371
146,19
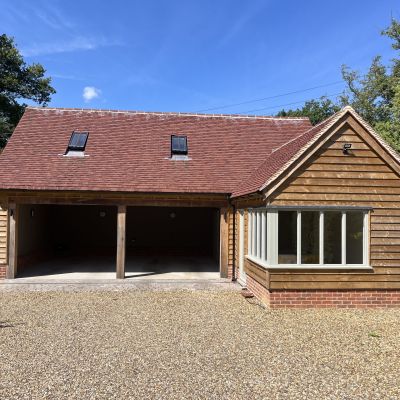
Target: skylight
x,y
78,141
179,145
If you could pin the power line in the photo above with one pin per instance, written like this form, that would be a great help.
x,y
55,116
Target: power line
x,y
269,97
284,105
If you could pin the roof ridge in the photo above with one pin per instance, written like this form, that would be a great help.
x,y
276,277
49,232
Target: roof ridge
x,y
326,125
314,127
166,113
317,131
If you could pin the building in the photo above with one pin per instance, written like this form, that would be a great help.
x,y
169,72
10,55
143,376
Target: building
x,y
303,216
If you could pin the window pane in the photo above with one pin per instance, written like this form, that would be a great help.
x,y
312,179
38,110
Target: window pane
x,y
175,143
179,144
249,232
182,144
78,141
332,237
81,140
264,236
310,237
287,237
254,234
354,237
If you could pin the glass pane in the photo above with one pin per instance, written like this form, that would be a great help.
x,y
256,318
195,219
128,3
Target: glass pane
x,y
287,237
81,140
310,237
354,237
332,237
254,234
182,144
175,143
264,236
78,141
179,144
259,234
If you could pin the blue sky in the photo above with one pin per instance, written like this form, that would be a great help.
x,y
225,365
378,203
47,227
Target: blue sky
x,y
192,56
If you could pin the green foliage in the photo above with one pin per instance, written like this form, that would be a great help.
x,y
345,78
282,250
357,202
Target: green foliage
x,y
374,95
316,110
18,81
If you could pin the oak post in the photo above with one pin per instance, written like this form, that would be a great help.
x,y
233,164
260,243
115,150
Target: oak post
x,y
223,235
11,270
121,241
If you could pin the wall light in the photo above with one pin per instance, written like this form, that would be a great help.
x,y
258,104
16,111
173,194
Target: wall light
x,y
346,148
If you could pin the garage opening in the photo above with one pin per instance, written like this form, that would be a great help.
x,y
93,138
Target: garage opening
x,y
80,242
66,240
181,242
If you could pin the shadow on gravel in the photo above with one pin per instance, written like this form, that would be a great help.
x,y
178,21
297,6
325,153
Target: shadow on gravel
x,y
5,324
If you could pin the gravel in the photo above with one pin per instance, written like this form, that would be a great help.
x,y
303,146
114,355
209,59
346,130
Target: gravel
x,y
188,344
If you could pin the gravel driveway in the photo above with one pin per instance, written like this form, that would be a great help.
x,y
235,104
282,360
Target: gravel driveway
x,y
191,345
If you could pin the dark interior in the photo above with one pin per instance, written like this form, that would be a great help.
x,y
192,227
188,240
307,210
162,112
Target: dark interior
x,y
173,239
66,238
70,235
172,231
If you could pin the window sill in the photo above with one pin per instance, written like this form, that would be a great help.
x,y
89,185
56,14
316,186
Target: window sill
x,y
303,267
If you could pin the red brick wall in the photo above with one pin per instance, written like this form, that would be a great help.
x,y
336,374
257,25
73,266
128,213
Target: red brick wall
x,y
324,298
3,271
258,290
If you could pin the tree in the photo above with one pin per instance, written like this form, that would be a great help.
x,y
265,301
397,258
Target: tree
x,y
18,81
374,95
316,110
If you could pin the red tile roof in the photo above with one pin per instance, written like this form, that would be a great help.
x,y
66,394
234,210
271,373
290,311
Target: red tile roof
x,y
130,151
283,157
280,157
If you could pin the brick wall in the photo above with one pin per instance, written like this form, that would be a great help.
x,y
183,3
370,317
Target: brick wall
x,y
261,292
324,298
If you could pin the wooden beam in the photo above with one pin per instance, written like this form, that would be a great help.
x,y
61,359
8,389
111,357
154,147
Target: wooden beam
x,y
224,245
11,271
121,241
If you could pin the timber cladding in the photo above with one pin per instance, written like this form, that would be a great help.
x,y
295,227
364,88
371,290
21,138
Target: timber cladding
x,y
3,235
217,201
365,177
115,198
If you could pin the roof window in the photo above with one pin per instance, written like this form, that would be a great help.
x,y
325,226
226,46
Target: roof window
x,y
78,141
179,145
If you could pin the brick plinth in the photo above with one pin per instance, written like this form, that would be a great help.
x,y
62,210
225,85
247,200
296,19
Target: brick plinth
x,y
324,298
3,271
258,290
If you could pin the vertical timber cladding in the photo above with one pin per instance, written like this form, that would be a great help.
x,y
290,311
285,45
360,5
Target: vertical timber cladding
x,y
231,241
365,177
3,234
227,245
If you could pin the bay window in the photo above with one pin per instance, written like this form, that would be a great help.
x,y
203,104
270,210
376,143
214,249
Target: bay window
x,y
257,230
307,237
287,237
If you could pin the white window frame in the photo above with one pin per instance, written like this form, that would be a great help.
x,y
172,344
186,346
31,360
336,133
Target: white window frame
x,y
242,273
263,237
257,234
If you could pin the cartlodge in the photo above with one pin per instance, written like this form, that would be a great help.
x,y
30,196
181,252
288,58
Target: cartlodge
x,y
302,216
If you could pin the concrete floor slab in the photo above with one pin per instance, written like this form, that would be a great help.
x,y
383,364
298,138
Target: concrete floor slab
x,y
139,267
